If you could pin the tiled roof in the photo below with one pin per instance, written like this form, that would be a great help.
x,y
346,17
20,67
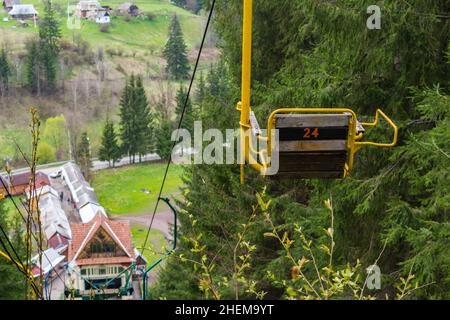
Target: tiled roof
x,y
21,179
83,233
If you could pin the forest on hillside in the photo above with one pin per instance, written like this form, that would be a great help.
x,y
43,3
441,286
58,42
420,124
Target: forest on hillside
x,y
76,81
314,239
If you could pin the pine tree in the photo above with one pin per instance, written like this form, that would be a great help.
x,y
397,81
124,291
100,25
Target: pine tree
x,y
201,89
175,52
127,119
188,118
49,36
142,114
134,119
109,150
49,31
84,159
5,72
33,67
163,139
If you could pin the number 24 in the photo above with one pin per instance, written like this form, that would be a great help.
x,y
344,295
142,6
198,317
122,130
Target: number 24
x,y
308,133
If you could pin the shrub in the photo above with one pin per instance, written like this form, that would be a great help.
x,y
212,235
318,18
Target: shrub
x,y
45,153
104,28
150,16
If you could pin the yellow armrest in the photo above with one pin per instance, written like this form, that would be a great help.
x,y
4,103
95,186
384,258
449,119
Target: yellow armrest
x,y
375,123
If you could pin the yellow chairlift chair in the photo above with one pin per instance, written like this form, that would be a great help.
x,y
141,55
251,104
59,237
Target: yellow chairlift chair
x,y
311,142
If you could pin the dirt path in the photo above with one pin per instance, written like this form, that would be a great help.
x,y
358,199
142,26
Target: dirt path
x,y
162,221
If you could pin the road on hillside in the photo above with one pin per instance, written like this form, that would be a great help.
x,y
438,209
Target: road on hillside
x,y
96,164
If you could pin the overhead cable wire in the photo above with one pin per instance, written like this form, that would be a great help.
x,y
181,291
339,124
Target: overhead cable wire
x,y
180,122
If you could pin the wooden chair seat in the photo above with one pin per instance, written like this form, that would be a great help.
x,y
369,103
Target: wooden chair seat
x,y
312,145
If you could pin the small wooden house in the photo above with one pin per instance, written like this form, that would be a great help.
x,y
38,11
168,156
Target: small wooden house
x,y
128,8
23,11
88,9
103,18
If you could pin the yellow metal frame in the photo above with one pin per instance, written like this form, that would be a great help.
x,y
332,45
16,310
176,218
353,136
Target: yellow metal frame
x,y
353,143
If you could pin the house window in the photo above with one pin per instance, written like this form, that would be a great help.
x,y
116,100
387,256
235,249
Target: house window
x,y
83,272
103,284
102,245
102,271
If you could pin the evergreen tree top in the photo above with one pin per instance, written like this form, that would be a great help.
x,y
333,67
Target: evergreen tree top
x,y
49,30
175,52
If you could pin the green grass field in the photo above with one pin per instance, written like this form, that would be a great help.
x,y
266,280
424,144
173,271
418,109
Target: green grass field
x,y
155,245
119,190
137,34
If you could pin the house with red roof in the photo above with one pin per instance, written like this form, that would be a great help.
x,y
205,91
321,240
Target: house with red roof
x,y
16,184
102,259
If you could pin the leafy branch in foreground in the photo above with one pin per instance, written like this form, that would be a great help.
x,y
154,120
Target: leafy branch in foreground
x,y
312,280
212,285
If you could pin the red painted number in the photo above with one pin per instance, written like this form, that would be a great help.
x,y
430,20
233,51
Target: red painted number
x,y
308,133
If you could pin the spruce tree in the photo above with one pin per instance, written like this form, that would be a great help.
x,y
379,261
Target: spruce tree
x,y
134,119
163,141
33,67
142,115
5,72
188,118
109,150
201,89
49,36
84,159
126,113
175,52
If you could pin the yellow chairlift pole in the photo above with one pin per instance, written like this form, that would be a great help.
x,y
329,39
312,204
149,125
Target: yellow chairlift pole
x,y
244,105
246,82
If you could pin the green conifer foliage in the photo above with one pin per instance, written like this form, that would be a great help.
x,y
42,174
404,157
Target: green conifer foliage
x,y
110,149
310,53
49,36
135,119
175,52
5,72
189,114
84,157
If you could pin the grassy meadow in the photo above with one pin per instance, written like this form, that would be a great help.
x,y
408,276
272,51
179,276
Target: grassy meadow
x,y
155,245
128,34
119,190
